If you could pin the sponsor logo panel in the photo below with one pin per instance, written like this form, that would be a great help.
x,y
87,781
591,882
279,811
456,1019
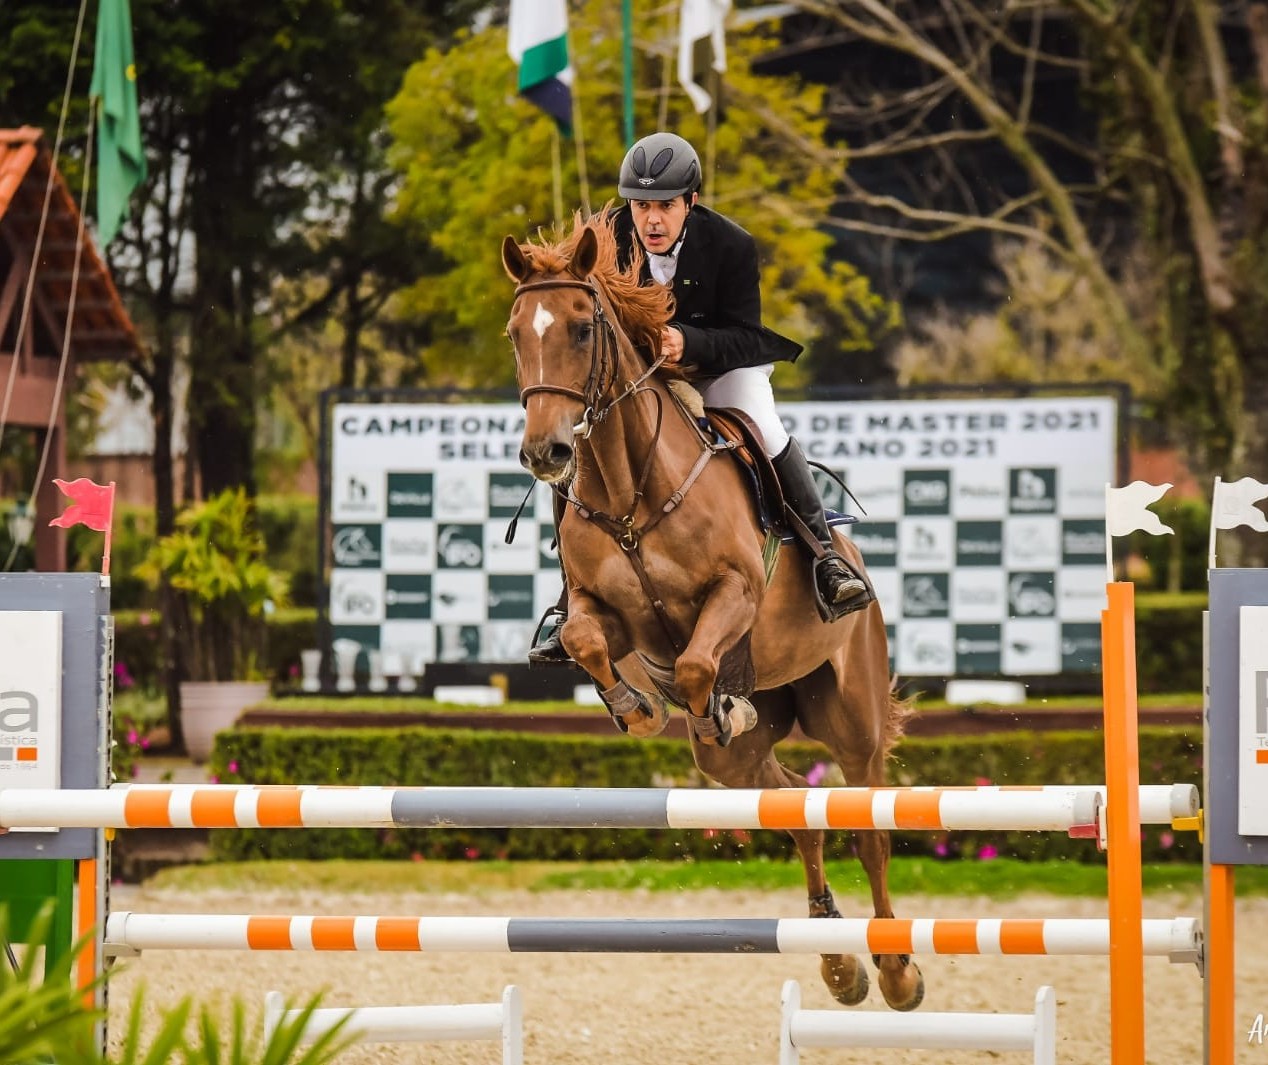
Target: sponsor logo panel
x,y
888,587
510,596
879,490
409,545
1032,543
925,647
979,492
460,495
1032,490
878,540
507,491
1081,593
357,546
1032,595
978,595
520,556
1083,542
834,497
926,543
1031,645
926,492
357,495
978,649
926,595
1081,648
459,546
979,543
356,597
458,597
408,595
411,495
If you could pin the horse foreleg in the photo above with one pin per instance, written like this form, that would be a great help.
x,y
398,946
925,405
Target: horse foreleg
x,y
727,614
588,642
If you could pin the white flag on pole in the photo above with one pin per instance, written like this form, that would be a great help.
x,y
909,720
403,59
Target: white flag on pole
x,y
699,19
1126,509
1234,504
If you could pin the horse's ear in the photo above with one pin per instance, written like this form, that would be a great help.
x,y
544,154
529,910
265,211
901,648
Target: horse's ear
x,y
586,255
514,259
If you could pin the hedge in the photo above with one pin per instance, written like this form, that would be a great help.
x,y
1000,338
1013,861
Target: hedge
x,y
444,757
1168,643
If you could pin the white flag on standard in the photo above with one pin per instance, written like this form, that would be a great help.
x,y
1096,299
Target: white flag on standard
x,y
1234,504
1126,509
699,19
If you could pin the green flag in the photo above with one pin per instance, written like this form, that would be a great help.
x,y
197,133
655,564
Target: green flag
x,y
121,159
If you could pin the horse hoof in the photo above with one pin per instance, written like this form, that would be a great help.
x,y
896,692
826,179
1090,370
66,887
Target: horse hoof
x,y
905,991
845,978
648,724
743,714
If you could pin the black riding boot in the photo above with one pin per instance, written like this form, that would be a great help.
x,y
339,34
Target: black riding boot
x,y
842,589
550,651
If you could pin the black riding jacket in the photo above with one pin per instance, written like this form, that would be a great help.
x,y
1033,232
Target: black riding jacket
x,y
718,301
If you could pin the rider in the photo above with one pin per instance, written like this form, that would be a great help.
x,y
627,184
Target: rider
x,y
716,335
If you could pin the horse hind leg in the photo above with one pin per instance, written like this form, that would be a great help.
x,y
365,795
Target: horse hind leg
x,y
750,762
857,734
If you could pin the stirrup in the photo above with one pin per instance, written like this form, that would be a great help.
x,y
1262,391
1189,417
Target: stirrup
x,y
549,651
835,611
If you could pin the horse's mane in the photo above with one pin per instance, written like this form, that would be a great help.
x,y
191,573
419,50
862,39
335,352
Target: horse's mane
x,y
643,310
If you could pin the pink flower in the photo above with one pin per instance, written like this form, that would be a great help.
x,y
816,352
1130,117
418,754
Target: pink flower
x,y
986,853
940,848
1167,840
817,772
416,857
472,853
983,782
144,617
145,743
741,835
233,767
213,779
132,735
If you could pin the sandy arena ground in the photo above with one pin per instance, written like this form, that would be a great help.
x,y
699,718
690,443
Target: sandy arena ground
x,y
665,1009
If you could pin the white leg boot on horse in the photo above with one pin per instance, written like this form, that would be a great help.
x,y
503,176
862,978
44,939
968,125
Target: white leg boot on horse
x,y
841,589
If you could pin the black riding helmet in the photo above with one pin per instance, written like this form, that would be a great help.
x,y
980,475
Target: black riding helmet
x,y
659,167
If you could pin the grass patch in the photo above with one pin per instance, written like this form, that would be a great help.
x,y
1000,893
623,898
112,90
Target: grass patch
x,y
997,878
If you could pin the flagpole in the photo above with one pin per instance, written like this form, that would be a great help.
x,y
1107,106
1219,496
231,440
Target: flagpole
x,y
556,176
627,68
579,138
105,558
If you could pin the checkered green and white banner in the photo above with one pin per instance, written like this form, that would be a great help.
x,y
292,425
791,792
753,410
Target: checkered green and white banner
x,y
984,529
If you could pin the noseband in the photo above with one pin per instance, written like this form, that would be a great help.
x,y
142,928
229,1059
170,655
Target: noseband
x,y
603,363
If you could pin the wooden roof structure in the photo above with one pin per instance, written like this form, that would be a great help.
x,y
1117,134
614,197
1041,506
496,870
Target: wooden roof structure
x,y
100,327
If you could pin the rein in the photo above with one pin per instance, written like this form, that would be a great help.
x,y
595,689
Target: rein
x,y
599,382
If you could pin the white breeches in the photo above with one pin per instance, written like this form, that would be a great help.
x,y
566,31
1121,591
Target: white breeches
x,y
748,389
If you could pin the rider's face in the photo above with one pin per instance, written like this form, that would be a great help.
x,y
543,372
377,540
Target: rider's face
x,y
659,222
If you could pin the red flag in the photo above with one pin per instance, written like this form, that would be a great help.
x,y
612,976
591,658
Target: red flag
x,y
92,504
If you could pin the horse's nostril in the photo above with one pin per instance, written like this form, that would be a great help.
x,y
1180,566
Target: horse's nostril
x,y
560,454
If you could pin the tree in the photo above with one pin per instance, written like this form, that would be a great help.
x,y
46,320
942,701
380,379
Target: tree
x,y
1177,155
475,165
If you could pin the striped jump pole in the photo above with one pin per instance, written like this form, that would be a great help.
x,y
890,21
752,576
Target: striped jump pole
x,y
1075,810
502,1021
802,1029
1177,939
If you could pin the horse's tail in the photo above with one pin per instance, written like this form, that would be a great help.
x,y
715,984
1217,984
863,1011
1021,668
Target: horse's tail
x,y
901,710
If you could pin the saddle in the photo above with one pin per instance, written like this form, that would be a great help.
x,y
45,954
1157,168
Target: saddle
x,y
743,439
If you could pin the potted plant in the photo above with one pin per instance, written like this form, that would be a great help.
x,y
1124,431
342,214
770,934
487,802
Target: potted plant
x,y
225,591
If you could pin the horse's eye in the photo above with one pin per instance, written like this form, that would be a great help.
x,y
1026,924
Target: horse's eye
x,y
585,330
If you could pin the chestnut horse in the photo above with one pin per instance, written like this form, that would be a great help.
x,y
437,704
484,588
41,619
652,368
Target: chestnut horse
x,y
663,554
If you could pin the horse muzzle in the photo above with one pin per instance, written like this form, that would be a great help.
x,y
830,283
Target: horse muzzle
x,y
548,460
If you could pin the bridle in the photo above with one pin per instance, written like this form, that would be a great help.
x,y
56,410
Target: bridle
x,y
603,362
